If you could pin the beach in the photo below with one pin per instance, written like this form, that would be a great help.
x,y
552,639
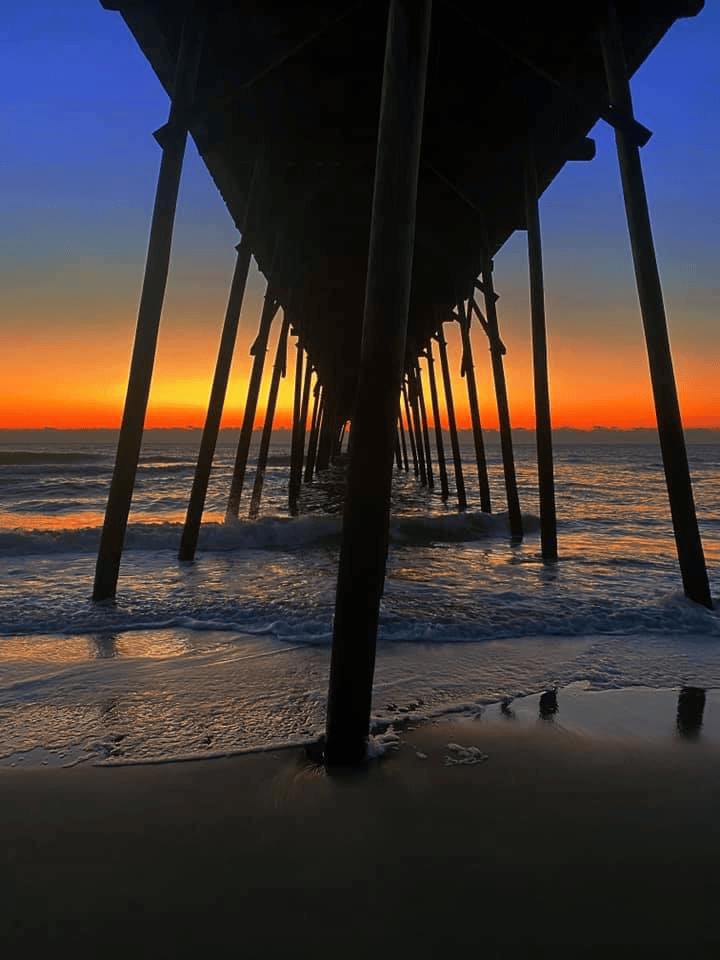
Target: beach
x,y
507,839
545,737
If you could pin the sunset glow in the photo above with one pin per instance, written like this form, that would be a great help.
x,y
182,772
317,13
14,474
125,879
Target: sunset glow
x,y
76,200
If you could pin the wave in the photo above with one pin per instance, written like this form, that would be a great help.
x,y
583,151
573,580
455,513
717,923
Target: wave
x,y
267,533
28,457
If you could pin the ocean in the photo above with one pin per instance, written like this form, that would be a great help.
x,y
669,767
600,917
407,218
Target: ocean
x,y
230,653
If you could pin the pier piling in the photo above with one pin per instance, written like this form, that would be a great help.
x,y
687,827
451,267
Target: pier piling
x,y
497,351
543,429
442,468
296,466
257,351
417,374
468,371
188,542
172,140
452,424
411,432
667,407
318,404
363,552
279,369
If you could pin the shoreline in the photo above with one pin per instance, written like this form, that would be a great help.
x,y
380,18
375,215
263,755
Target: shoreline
x,y
480,835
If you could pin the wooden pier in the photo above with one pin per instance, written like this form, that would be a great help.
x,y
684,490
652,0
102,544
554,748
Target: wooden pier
x,y
375,157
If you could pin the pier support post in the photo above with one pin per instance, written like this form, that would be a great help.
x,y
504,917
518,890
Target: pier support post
x,y
279,369
188,543
326,433
296,466
442,469
172,139
411,432
417,375
366,517
468,371
257,351
318,404
543,429
401,432
496,355
667,407
417,426
452,423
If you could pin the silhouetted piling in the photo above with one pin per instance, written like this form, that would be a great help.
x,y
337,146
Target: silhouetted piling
x,y
208,442
296,466
318,404
417,426
424,424
279,370
468,371
258,351
652,307
452,424
172,139
411,432
497,351
401,432
543,429
363,551
325,433
398,455
442,469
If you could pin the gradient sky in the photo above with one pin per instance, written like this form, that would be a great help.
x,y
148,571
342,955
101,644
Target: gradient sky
x,y
78,174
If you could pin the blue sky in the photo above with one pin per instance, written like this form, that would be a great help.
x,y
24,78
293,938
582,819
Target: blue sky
x,y
77,180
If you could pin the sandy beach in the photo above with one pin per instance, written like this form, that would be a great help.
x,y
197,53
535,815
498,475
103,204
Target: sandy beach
x,y
555,844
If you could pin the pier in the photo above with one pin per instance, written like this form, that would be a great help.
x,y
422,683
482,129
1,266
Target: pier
x,y
375,157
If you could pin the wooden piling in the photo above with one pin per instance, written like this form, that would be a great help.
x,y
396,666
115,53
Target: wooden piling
x,y
208,442
172,140
417,425
401,431
296,466
667,407
325,433
398,455
468,371
318,404
279,369
543,429
411,436
257,351
424,422
442,469
506,444
366,516
452,423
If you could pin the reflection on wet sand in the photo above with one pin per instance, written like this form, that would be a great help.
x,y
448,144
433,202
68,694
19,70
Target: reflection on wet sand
x,y
691,704
627,712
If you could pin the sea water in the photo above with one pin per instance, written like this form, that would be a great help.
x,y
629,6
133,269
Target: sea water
x,y
231,652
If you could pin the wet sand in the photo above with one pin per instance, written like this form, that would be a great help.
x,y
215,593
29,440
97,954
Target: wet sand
x,y
557,844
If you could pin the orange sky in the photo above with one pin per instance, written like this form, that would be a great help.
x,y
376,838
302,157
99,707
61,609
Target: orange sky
x,y
79,380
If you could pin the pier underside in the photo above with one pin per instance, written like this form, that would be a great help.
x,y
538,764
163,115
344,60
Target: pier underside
x,y
285,116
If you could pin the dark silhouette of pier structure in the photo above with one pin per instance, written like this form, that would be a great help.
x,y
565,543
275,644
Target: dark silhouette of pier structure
x,y
375,156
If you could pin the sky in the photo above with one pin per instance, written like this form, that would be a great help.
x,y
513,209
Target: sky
x,y
78,171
